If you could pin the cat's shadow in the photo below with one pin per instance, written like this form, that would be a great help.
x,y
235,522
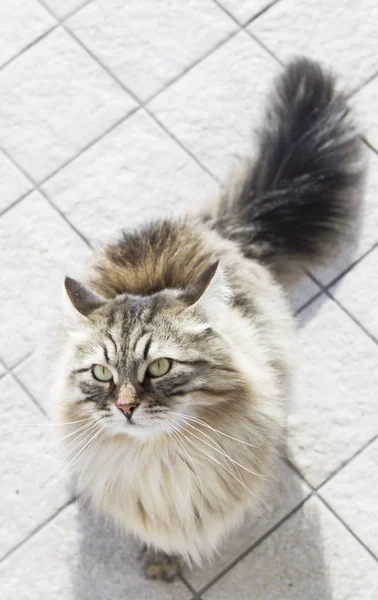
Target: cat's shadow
x,y
289,563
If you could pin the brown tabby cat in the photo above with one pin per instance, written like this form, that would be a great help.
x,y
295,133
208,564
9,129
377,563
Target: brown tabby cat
x,y
178,355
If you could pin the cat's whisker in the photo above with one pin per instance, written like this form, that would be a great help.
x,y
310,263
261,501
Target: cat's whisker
x,y
212,458
68,466
170,434
221,451
201,422
90,458
218,445
87,433
176,432
48,447
181,446
45,424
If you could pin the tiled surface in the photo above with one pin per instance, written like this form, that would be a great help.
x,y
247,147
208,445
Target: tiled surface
x,y
40,247
214,108
135,172
334,410
342,34
13,184
358,292
244,10
364,101
55,99
311,556
148,47
2,369
285,494
21,22
66,125
353,494
26,502
64,9
86,560
367,227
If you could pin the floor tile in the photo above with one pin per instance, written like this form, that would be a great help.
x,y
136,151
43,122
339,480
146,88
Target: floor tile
x,y
40,248
358,292
303,292
311,556
55,100
13,184
368,230
135,173
342,34
353,494
28,372
365,102
334,412
24,435
285,494
62,9
214,108
243,10
147,46
21,23
2,369
82,559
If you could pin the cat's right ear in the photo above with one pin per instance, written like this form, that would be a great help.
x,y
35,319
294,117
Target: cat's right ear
x,y
80,301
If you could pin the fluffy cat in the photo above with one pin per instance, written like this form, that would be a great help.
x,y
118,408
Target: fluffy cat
x,y
178,351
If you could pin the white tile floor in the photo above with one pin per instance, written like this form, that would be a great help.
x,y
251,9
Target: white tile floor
x,y
113,111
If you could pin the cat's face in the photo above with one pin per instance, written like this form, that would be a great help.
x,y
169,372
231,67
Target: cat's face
x,y
138,363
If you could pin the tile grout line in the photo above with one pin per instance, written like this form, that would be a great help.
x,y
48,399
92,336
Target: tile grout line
x,y
88,146
143,104
36,530
69,14
140,103
308,303
18,362
347,462
255,545
334,473
352,533
316,492
262,11
364,84
323,290
245,27
369,145
329,294
29,394
61,22
35,41
190,67
254,37
188,585
346,270
36,188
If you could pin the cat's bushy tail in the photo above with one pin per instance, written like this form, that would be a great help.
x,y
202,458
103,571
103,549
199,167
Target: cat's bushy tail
x,y
299,198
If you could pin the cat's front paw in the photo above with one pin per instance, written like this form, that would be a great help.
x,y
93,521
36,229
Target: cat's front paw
x,y
161,566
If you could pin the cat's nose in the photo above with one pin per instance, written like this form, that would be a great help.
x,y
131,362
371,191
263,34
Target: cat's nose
x,y
127,409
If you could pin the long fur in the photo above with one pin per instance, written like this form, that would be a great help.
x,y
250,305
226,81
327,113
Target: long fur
x,y
208,433
299,199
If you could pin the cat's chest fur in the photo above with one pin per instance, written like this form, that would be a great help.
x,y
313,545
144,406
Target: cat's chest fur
x,y
182,496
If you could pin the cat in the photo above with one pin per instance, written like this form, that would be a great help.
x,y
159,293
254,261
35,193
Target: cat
x,y
177,355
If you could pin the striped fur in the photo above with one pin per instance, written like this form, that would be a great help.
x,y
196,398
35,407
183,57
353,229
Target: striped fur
x,y
201,444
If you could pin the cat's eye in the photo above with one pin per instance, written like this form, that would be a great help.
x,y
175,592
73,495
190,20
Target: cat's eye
x,y
101,373
159,367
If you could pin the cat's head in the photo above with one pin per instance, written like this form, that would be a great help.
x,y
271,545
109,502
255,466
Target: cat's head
x,y
139,362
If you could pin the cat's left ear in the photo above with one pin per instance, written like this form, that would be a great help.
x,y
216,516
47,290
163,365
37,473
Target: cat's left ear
x,y
80,300
210,287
